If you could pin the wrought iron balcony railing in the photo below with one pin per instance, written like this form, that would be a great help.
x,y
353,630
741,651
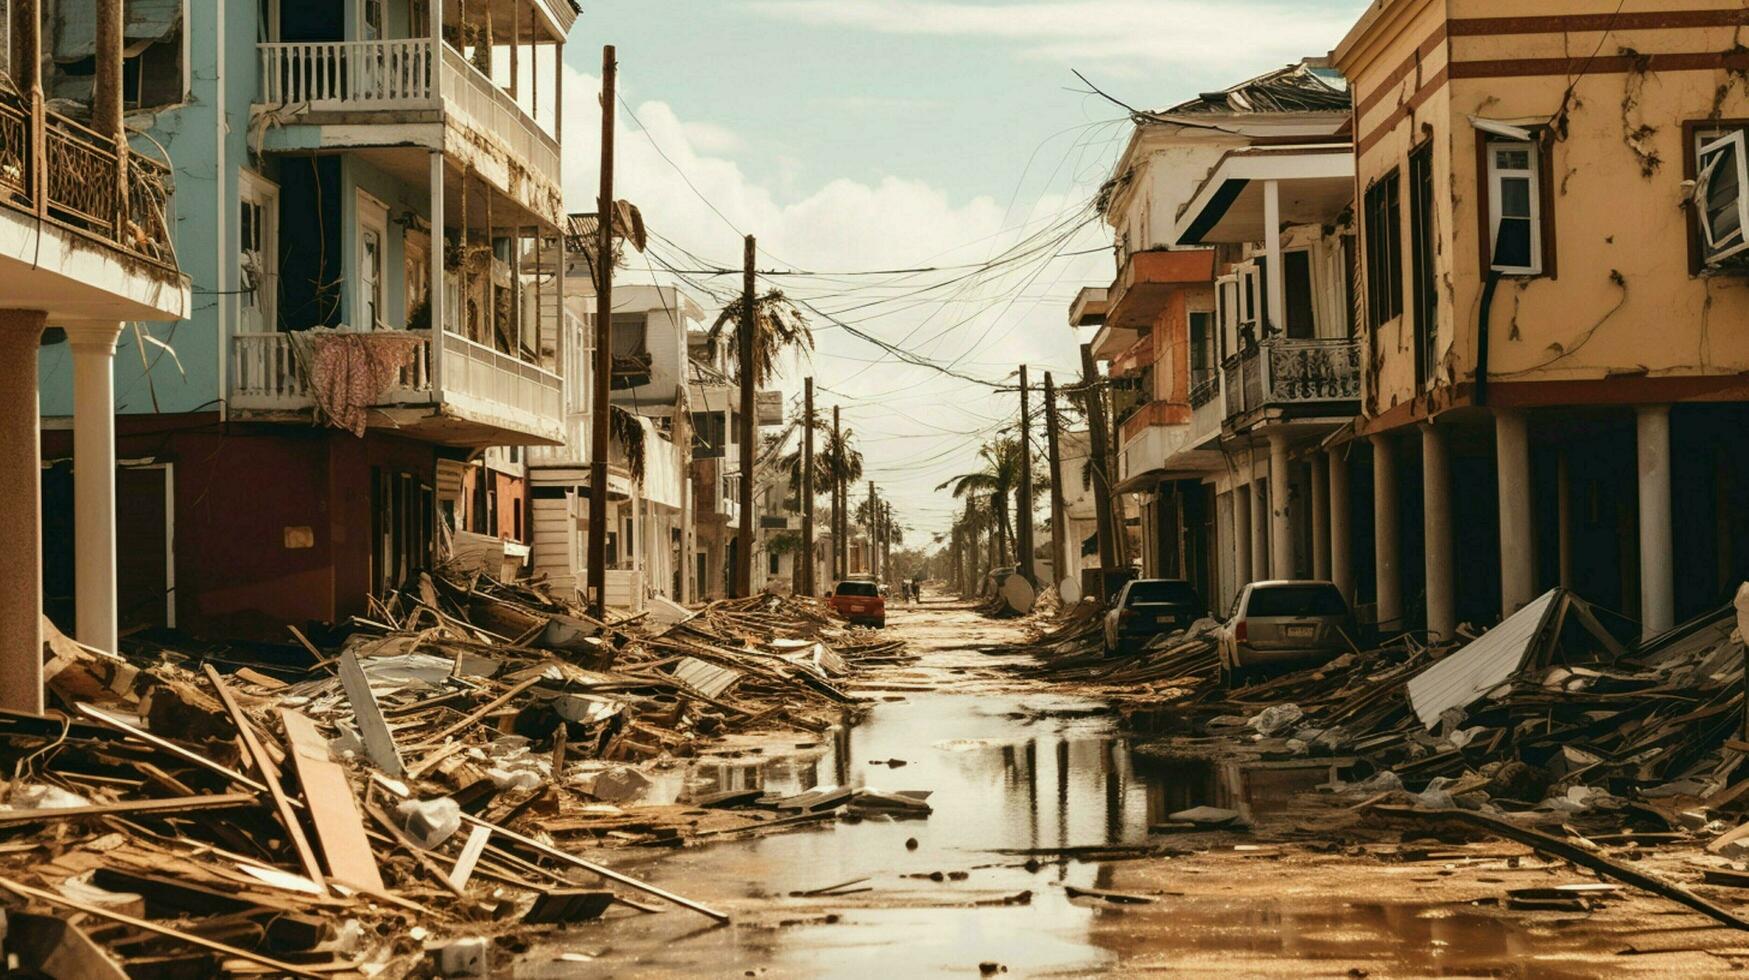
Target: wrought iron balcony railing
x,y
1282,372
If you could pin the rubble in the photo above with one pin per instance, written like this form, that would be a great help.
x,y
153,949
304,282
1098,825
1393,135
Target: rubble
x,y
414,796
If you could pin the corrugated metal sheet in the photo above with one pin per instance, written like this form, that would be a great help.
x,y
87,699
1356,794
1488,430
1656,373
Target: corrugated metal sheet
x,y
704,677
1463,677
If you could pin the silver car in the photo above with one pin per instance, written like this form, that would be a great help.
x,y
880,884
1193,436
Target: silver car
x,y
1281,624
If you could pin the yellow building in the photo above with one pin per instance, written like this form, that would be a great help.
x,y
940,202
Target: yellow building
x,y
1552,211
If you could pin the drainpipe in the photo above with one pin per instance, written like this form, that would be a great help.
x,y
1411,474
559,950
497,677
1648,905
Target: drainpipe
x,y
1493,282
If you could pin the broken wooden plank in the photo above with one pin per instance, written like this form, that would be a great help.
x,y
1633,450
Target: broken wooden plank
x,y
563,905
490,706
54,947
332,804
178,751
220,801
470,856
379,744
258,757
27,891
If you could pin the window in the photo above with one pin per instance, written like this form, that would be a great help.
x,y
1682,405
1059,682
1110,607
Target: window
x,y
628,334
1202,345
371,20
774,560
1250,307
1295,600
1721,194
152,64
1422,248
258,264
709,438
373,235
416,248
1384,250
1514,208
1227,312
1296,271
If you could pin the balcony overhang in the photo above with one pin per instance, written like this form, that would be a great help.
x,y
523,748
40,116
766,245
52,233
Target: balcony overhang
x,y
1147,281
1134,358
1316,184
1088,309
74,278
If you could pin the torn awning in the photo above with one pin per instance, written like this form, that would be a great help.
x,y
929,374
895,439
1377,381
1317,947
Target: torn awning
x,y
144,22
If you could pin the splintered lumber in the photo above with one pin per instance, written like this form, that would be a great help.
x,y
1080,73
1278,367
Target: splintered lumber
x,y
178,751
219,801
258,757
1578,855
608,873
333,806
27,891
379,744
470,856
481,712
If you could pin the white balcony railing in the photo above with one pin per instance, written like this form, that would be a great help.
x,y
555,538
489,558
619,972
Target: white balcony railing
x,y
396,74
266,376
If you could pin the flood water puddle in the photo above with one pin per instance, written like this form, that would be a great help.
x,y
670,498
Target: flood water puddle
x,y
1006,772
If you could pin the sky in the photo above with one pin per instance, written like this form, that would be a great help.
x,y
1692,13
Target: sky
x,y
853,137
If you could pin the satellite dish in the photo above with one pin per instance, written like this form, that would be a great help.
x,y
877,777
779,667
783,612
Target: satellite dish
x,y
1069,591
1018,593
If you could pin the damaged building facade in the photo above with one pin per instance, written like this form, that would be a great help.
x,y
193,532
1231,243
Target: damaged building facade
x,y
1512,359
368,202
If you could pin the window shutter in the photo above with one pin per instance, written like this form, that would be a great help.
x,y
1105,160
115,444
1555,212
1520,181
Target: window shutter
x,y
1720,194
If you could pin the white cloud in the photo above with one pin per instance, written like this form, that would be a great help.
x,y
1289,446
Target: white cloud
x,y
909,418
1184,33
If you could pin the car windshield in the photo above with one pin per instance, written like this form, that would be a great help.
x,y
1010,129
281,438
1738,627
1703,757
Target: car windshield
x,y
1296,600
857,588
1161,591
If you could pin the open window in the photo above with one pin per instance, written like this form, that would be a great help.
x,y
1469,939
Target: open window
x,y
1721,196
1515,208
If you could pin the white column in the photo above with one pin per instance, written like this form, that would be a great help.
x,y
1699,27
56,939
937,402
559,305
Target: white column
x,y
1272,246
1341,561
1241,537
93,347
1281,537
1517,545
21,638
1385,525
1564,517
1259,531
1436,529
439,250
1320,463
1657,571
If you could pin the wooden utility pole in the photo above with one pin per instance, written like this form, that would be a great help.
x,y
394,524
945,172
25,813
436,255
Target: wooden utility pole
x,y
840,554
887,541
1097,439
1023,531
749,385
598,427
1059,556
808,487
873,555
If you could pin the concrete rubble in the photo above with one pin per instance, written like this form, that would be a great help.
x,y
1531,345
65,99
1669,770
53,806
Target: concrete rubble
x,y
409,795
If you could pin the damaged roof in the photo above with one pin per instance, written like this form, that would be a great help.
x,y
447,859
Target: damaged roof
x,y
1308,86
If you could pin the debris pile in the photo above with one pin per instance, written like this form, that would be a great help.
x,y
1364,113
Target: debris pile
x,y
407,803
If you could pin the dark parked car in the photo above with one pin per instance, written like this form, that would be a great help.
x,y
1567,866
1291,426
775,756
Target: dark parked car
x,y
1147,607
1280,625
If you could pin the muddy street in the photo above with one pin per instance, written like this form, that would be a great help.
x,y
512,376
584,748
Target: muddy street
x,y
1040,858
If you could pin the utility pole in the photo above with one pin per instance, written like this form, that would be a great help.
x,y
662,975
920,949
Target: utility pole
x,y
872,553
749,385
1059,556
1101,483
840,547
808,488
598,427
1024,530
887,541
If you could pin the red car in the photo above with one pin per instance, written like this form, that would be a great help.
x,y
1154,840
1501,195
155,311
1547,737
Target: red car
x,y
860,601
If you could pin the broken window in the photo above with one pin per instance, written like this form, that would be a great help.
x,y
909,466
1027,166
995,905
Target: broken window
x,y
1384,250
152,69
709,440
1514,208
1721,196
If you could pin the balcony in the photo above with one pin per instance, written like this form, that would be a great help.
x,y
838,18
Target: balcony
x,y
479,396
390,84
84,225
1299,377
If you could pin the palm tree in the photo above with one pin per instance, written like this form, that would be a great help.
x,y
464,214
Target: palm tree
x,y
837,466
999,478
778,326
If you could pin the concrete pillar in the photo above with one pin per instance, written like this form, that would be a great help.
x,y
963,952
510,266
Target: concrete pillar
x,y
1320,464
1341,562
93,347
1259,531
1276,284
1242,567
1657,570
21,638
1281,537
1564,517
1385,536
1517,545
1436,527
